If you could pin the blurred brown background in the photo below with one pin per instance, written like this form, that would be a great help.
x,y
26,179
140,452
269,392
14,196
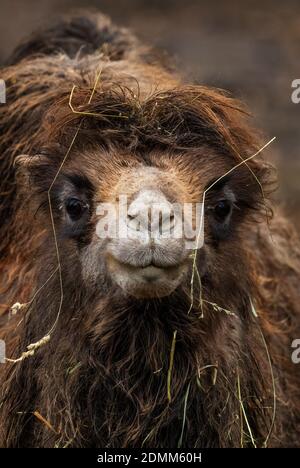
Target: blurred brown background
x,y
251,48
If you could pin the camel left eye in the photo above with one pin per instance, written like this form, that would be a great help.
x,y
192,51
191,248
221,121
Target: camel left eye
x,y
222,209
75,208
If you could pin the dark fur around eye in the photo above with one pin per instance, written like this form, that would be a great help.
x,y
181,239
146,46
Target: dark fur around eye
x,y
80,182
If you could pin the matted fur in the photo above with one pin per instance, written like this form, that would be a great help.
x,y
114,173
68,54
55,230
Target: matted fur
x,y
101,380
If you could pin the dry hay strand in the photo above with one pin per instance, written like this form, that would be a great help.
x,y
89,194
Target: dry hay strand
x,y
44,421
185,402
171,364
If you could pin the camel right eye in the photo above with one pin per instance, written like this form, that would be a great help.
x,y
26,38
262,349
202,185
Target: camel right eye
x,y
75,208
222,209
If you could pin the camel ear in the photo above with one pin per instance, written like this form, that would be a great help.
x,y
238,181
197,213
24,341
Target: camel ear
x,y
24,162
34,172
27,167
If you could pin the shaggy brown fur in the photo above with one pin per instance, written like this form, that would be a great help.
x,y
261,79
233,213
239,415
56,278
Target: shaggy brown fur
x,y
101,380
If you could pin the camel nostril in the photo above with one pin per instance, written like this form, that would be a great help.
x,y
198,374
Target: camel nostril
x,y
133,221
166,222
151,212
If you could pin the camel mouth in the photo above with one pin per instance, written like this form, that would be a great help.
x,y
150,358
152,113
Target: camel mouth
x,y
147,281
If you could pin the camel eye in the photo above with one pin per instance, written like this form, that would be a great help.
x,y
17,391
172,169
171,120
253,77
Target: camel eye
x,y
75,208
222,209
